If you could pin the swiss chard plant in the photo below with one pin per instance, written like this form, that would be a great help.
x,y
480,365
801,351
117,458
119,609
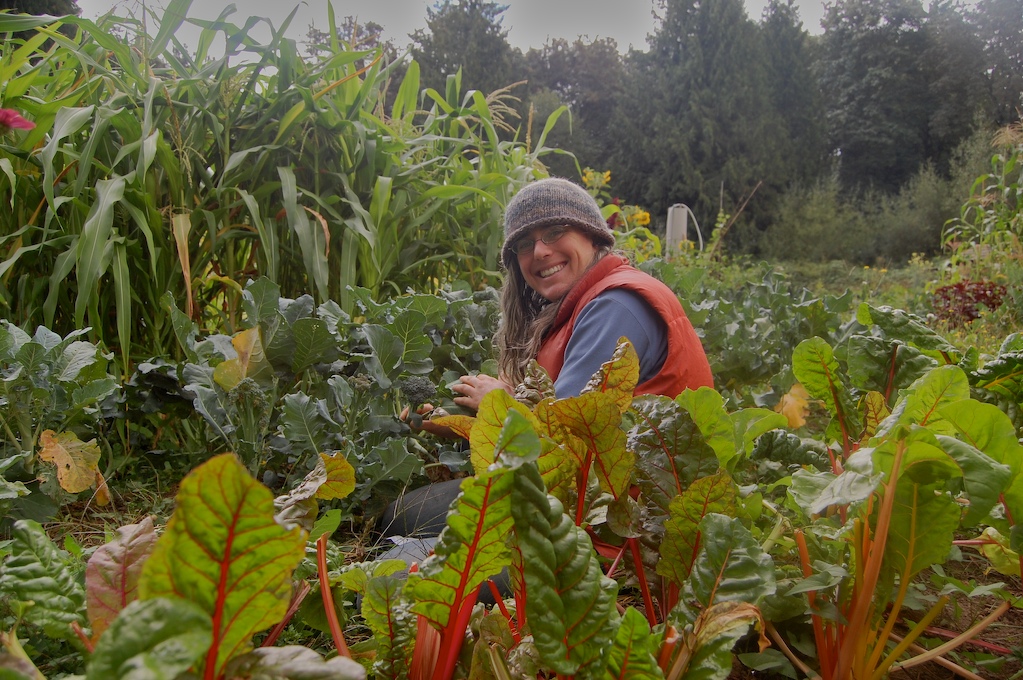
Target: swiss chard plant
x,y
914,460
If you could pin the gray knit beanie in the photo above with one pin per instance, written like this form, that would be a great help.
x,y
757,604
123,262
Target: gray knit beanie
x,y
548,202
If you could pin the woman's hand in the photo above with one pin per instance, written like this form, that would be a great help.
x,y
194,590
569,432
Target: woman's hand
x,y
421,421
472,388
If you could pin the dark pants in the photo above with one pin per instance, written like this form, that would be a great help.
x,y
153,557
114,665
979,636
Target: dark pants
x,y
420,514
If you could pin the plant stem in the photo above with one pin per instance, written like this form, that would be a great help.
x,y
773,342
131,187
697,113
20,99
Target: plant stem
x,y
648,600
796,661
933,654
296,601
328,598
941,661
917,630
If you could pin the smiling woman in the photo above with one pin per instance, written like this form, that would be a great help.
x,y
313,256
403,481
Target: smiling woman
x,y
567,299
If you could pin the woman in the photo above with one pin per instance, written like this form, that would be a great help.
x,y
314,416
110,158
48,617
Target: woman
x,y
567,299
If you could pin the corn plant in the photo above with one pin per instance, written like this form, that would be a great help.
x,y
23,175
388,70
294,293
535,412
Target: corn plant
x,y
152,169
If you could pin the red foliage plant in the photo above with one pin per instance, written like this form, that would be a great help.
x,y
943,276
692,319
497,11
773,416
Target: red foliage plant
x,y
958,304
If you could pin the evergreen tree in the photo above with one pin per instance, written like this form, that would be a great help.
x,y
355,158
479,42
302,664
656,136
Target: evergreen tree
x,y
696,124
466,35
587,77
1000,24
794,91
872,74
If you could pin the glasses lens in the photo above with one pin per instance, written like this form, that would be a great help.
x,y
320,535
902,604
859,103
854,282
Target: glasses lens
x,y
553,234
523,245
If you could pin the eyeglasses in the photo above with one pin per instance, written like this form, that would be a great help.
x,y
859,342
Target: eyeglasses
x,y
526,245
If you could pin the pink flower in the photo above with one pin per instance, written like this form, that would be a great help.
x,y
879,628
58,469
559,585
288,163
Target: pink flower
x,y
12,120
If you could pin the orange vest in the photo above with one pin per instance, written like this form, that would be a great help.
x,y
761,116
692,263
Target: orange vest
x,y
686,363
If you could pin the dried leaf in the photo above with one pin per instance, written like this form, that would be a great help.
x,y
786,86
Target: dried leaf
x,y
795,406
77,461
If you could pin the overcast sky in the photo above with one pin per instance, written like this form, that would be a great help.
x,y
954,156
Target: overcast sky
x,y
529,22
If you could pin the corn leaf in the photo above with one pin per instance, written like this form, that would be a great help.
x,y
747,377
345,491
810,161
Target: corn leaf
x,y
113,571
223,551
35,571
157,639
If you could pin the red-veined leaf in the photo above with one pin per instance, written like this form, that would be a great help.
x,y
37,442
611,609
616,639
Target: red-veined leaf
x,y
633,653
671,452
618,376
112,574
223,550
682,537
595,419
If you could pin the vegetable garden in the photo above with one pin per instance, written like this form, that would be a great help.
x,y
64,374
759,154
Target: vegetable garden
x,y
224,277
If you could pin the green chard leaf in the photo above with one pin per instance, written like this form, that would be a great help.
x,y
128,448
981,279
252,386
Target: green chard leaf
x,y
900,325
155,639
634,652
223,550
815,366
922,527
731,567
35,571
682,536
570,602
920,403
671,452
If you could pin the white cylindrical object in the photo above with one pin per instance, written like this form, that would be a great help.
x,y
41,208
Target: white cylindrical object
x,y
676,230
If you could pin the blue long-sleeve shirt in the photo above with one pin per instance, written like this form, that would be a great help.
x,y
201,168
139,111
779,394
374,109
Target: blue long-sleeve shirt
x,y
598,327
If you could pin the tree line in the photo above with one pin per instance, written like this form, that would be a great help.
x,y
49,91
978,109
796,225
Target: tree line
x,y
723,109
733,114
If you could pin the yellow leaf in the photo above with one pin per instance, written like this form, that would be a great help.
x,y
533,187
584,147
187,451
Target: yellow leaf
x,y
77,461
102,496
251,361
340,477
794,406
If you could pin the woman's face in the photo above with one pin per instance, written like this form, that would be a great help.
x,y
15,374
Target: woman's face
x,y
551,269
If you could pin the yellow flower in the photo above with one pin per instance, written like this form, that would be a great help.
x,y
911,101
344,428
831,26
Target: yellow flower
x,y
641,219
607,177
